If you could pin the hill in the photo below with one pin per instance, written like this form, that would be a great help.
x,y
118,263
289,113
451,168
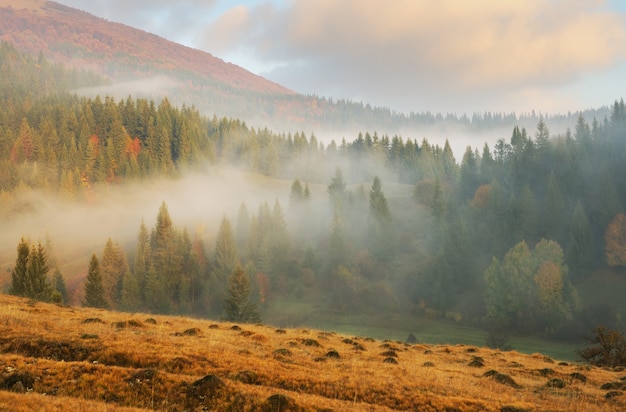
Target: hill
x,y
142,64
77,358
81,39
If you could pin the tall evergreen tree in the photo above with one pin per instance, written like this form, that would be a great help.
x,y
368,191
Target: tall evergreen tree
x,y
381,233
579,248
165,258
242,229
337,191
226,256
143,257
239,306
59,285
20,284
94,291
113,267
336,247
36,285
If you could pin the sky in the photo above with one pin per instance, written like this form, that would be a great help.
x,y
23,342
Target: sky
x,y
446,56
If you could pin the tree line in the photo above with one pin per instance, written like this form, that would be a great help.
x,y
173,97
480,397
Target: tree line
x,y
535,212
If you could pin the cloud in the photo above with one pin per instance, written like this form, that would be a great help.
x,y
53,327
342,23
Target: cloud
x,y
410,55
159,85
406,49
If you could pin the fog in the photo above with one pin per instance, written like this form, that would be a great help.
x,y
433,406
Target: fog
x,y
196,201
149,87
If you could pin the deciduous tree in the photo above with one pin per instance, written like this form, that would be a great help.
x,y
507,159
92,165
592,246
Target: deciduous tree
x,y
615,238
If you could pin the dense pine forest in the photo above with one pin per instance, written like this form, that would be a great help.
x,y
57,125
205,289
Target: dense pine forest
x,y
505,238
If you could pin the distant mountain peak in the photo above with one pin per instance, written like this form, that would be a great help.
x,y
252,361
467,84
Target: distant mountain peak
x,y
116,50
23,4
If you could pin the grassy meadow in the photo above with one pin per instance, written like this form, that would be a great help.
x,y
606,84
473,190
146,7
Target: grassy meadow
x,y
67,358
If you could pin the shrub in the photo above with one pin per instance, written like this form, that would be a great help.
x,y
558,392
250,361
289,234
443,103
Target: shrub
x,y
608,348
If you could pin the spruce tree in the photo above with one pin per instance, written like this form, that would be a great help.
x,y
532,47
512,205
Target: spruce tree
x,y
337,249
579,244
297,192
225,250
381,231
37,286
94,291
337,191
239,307
113,266
143,257
59,285
19,278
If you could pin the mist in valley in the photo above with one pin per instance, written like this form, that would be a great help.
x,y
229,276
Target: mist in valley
x,y
389,227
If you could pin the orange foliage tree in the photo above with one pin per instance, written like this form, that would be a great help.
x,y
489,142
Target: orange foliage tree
x,y
615,239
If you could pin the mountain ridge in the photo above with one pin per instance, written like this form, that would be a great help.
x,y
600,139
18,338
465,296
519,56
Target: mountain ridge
x,y
64,34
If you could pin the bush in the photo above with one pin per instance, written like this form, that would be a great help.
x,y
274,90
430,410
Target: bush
x,y
498,339
608,348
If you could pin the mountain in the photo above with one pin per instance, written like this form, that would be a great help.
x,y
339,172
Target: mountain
x,y
141,64
80,39
138,63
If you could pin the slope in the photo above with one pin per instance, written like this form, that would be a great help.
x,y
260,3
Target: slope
x,y
93,360
81,39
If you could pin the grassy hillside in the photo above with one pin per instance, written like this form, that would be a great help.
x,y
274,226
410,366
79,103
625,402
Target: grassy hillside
x,y
93,360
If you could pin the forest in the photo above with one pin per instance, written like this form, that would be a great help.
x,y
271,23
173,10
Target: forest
x,y
506,238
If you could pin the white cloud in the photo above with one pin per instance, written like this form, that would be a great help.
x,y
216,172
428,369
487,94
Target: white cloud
x,y
411,51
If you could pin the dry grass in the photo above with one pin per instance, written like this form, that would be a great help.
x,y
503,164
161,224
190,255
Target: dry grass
x,y
94,360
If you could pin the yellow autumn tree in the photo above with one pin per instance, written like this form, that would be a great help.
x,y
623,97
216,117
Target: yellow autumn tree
x,y
615,240
549,286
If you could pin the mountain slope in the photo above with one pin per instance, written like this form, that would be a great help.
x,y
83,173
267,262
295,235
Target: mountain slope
x,y
81,39
91,359
145,65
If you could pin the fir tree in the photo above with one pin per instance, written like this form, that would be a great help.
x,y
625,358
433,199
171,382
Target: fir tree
x,y
337,191
579,246
94,291
19,278
59,285
225,250
239,307
29,276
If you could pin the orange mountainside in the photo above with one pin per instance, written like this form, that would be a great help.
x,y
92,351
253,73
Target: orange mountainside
x,y
65,358
80,39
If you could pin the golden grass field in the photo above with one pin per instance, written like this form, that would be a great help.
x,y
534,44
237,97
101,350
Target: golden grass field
x,y
57,358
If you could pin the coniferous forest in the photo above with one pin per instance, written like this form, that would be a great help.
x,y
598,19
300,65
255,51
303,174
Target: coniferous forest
x,y
519,237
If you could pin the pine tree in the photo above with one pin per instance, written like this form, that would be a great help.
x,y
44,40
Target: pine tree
x,y
38,286
94,291
130,294
337,191
225,250
239,307
469,175
113,266
142,257
165,257
242,227
378,203
279,241
19,277
297,192
337,249
579,244
59,285
381,232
